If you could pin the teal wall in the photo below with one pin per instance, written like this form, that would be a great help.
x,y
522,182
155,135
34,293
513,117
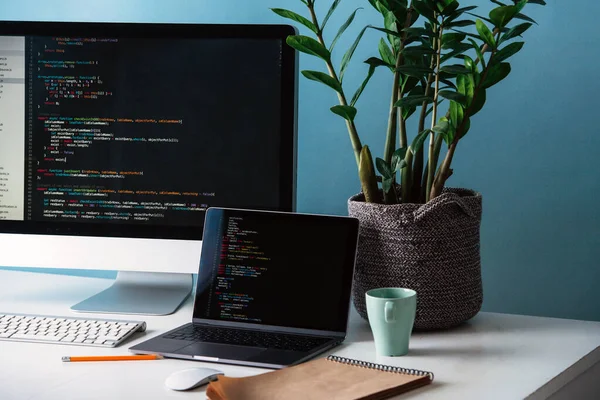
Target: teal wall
x,y
532,151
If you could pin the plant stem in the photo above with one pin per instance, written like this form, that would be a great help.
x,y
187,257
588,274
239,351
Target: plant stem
x,y
390,142
419,156
390,138
431,159
402,137
444,172
352,132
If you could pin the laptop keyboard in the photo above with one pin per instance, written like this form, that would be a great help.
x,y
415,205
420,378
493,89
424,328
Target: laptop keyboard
x,y
270,340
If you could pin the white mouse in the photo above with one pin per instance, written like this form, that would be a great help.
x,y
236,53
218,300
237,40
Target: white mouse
x,y
190,378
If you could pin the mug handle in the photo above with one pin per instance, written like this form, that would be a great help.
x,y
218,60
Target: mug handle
x,y
389,312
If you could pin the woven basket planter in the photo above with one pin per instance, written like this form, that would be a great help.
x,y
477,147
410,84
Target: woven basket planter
x,y
431,248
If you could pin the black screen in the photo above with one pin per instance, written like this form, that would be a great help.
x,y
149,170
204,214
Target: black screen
x,y
130,128
282,269
153,131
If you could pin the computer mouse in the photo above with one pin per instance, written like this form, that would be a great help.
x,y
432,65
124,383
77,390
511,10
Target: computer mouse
x,y
190,378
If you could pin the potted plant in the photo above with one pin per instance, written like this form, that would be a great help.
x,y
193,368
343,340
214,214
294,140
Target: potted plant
x,y
444,60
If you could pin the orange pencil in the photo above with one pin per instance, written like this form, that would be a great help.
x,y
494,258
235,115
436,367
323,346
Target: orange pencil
x,y
113,358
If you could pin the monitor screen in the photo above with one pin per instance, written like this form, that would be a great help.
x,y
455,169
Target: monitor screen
x,y
131,130
277,269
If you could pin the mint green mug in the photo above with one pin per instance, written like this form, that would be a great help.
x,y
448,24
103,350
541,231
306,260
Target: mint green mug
x,y
391,313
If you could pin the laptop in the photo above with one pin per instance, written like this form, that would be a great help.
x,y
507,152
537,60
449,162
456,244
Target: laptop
x,y
273,289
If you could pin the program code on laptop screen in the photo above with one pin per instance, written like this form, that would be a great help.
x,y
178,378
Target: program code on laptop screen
x,y
280,269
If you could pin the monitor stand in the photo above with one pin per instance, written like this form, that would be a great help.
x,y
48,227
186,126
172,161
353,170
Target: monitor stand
x,y
144,293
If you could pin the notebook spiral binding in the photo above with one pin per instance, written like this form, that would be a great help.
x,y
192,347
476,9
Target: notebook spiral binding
x,y
380,367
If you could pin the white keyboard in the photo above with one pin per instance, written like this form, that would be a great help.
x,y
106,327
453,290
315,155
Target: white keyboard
x,y
66,330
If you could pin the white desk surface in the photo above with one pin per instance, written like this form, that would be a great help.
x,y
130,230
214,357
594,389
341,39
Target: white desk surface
x,y
494,356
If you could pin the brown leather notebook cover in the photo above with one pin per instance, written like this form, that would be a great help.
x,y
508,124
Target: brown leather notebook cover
x,y
334,378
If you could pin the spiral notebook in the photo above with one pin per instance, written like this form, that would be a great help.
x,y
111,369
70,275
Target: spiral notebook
x,y
334,378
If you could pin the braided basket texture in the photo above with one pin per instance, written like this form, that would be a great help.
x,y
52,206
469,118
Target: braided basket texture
x,y
431,248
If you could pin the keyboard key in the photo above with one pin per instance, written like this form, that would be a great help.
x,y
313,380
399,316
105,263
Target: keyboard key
x,y
247,337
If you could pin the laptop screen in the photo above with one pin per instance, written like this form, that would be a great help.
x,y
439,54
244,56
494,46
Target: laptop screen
x,y
272,268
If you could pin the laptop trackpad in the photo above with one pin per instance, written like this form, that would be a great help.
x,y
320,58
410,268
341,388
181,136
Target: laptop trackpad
x,y
224,351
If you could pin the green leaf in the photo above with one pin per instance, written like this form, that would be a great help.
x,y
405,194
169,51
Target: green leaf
x,y
457,46
446,7
456,114
386,31
386,184
377,62
413,101
506,52
485,33
430,110
447,82
540,2
454,96
409,84
324,79
466,86
470,64
460,11
419,32
495,74
308,45
424,10
417,50
449,136
346,112
466,127
455,69
398,159
501,16
400,153
416,90
295,17
460,24
390,21
329,13
384,168
414,70
457,50
375,4
348,56
478,52
418,141
343,29
363,85
478,101
442,127
520,4
391,24
482,18
516,31
407,112
386,53
525,18
452,37
471,35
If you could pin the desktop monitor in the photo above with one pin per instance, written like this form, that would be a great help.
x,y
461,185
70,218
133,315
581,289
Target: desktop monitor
x,y
116,137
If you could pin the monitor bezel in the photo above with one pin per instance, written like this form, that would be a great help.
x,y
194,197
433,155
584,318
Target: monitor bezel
x,y
288,149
